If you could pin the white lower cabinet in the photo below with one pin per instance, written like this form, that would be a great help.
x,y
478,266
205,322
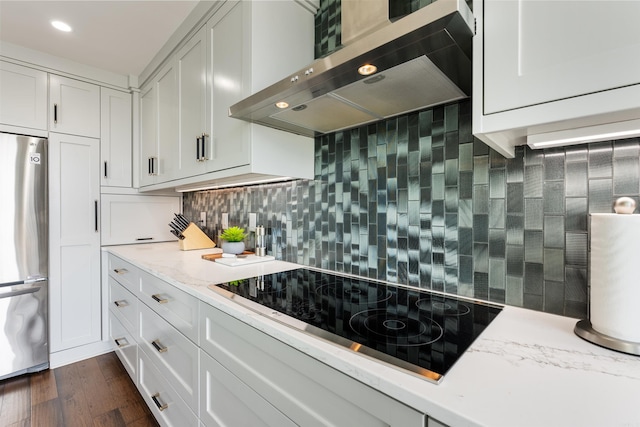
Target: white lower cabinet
x,y
304,390
172,353
231,374
125,345
225,401
166,404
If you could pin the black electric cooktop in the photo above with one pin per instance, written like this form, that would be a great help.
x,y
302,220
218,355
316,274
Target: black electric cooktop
x,y
419,331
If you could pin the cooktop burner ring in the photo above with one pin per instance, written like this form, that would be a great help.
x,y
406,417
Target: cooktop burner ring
x,y
442,307
389,328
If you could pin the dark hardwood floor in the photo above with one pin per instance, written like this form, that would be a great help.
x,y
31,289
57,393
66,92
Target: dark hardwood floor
x,y
95,392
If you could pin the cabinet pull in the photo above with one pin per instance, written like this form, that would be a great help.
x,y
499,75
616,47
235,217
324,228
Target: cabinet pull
x,y
119,344
144,238
152,166
198,149
105,169
95,215
159,347
121,303
156,400
55,114
158,299
202,142
120,270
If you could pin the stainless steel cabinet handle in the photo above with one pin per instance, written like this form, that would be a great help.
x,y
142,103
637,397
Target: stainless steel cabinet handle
x,y
95,215
121,303
156,400
121,270
202,142
198,149
152,166
159,299
119,343
159,347
55,114
105,169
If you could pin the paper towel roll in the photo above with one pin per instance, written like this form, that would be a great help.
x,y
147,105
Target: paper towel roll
x,y
615,275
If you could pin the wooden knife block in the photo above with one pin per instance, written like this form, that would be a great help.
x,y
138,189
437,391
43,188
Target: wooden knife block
x,y
194,238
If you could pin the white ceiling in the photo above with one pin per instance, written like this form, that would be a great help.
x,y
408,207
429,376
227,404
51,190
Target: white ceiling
x,y
117,35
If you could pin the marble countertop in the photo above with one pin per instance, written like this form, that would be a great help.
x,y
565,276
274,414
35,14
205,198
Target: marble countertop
x,y
527,368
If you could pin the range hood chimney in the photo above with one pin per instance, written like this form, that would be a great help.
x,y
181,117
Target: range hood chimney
x,y
422,60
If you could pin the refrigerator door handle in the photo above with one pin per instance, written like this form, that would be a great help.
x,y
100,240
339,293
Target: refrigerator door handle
x,y
27,281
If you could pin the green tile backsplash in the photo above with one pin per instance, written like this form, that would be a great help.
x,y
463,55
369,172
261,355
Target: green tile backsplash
x,y
417,200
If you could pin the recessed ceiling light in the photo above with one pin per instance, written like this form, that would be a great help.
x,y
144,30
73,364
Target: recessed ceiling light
x,y
59,25
282,104
367,69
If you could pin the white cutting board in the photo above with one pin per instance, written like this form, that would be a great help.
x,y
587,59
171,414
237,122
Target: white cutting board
x,y
249,259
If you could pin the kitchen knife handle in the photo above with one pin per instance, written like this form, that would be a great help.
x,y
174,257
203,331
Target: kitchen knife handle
x,y
120,345
55,114
159,347
95,215
159,300
121,303
105,169
156,400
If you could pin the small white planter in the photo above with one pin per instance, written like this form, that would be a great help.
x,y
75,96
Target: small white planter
x,y
232,247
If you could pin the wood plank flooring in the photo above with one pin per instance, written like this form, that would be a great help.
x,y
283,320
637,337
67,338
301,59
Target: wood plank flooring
x,y
96,392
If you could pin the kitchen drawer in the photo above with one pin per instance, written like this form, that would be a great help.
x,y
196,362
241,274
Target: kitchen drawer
x,y
165,403
125,273
304,389
177,307
225,401
126,347
124,305
172,353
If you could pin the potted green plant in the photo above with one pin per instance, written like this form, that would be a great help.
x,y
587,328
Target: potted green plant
x,y
233,240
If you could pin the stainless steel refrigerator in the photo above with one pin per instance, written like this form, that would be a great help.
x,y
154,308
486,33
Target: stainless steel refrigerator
x,y
24,245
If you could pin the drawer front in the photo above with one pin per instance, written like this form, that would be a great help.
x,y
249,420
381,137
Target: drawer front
x,y
125,273
172,353
124,305
165,403
228,402
175,306
304,389
125,347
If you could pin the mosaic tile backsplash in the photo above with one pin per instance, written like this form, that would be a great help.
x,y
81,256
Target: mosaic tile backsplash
x,y
417,200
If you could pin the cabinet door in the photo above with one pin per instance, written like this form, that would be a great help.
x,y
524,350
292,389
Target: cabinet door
x,y
542,51
137,219
23,96
192,87
74,107
166,94
115,138
229,142
148,135
74,241
225,401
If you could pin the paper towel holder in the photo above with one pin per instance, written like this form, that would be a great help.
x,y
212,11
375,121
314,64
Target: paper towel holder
x,y
584,328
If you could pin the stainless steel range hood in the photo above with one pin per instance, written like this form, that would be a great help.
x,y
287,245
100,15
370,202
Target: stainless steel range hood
x,y
422,60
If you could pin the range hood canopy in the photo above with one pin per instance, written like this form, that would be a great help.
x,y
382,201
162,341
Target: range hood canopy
x,y
422,60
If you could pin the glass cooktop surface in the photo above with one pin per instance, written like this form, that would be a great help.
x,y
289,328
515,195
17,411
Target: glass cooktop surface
x,y
419,331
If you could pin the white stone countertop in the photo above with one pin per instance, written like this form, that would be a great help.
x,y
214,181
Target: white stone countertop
x,y
527,368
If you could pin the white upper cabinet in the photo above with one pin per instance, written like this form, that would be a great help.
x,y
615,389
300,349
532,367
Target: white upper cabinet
x,y
192,88
115,138
148,135
542,66
74,107
244,47
23,96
